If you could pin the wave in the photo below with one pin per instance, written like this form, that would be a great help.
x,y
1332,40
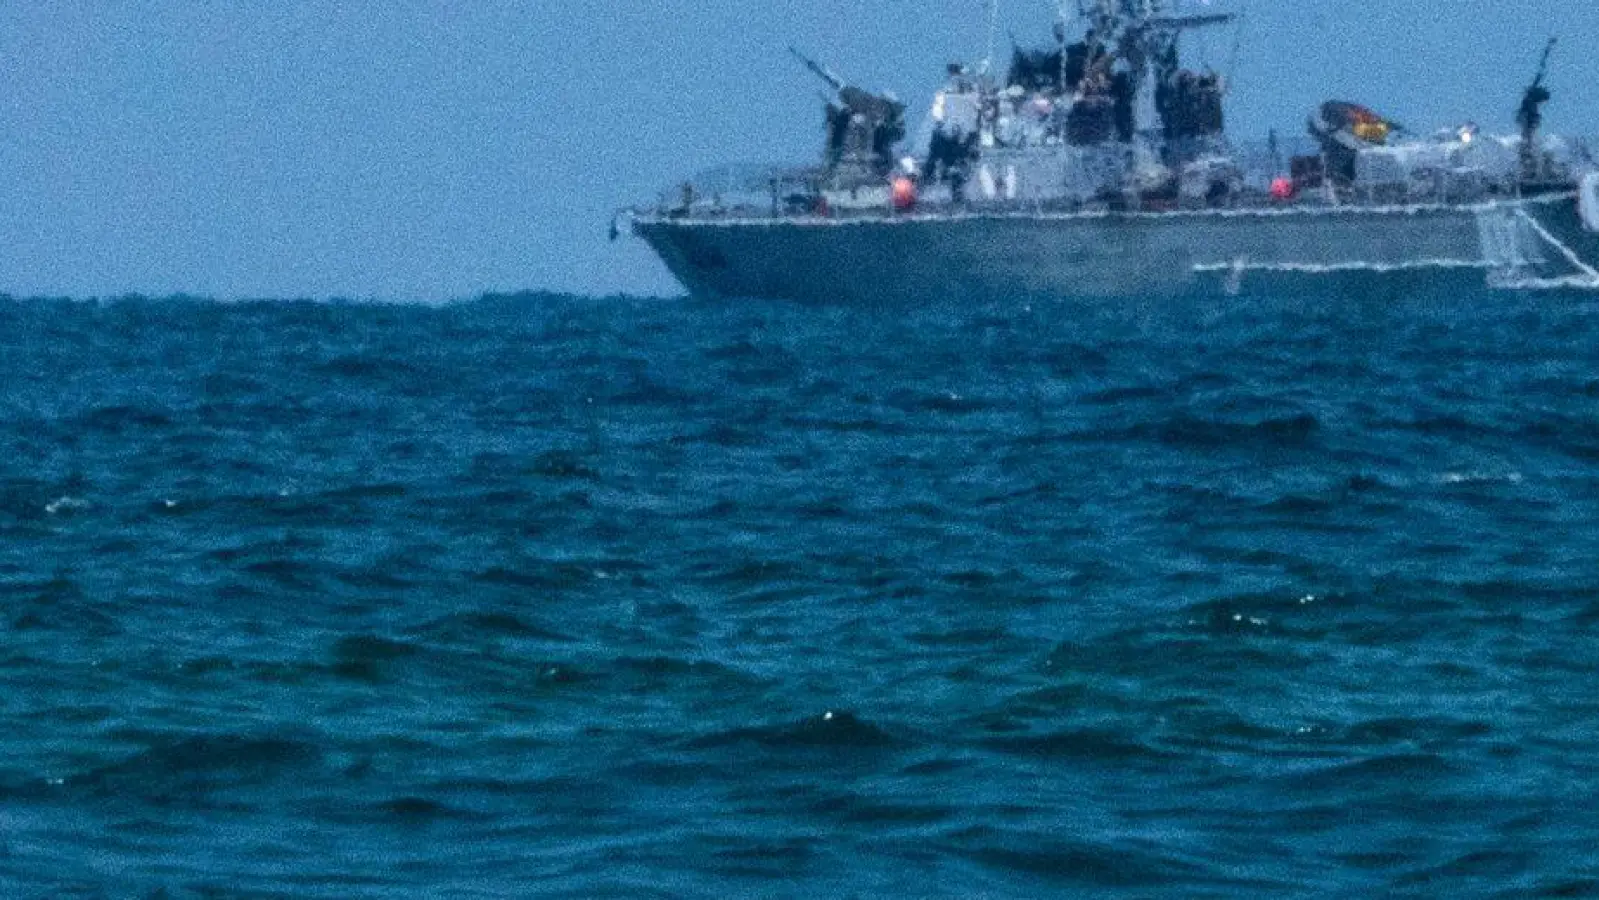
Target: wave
x,y
367,366
1414,771
1103,865
1428,731
60,604
120,419
941,402
721,435
549,575
371,658
563,464
412,810
499,467
753,364
1188,431
1184,431
1082,745
1120,396
188,769
829,730
468,626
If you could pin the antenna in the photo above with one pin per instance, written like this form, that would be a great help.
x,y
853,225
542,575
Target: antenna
x,y
1065,9
993,28
1231,71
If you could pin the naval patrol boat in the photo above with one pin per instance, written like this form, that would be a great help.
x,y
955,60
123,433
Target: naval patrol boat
x,y
1099,167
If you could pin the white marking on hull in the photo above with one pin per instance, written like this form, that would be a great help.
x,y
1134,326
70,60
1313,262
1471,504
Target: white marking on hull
x,y
1570,255
1335,268
1567,283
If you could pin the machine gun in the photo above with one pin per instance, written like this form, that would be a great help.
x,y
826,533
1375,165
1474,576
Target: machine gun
x,y
820,71
1530,116
860,102
862,127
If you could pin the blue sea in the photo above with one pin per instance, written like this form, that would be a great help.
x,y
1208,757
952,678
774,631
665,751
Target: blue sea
x,y
556,596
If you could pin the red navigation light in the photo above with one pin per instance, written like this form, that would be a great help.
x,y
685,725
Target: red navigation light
x,y
904,193
1282,188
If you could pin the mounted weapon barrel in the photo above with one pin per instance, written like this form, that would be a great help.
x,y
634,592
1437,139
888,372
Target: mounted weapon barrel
x,y
1530,116
1183,22
820,71
856,100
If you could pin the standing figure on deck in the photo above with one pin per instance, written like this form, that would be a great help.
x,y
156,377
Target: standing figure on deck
x,y
957,120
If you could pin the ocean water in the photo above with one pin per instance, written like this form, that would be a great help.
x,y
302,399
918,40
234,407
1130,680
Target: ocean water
x,y
556,596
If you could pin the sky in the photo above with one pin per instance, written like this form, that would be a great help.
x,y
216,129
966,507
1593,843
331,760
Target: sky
x,y
438,149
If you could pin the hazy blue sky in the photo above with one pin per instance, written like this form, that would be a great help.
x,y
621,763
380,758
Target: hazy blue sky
x,y
403,149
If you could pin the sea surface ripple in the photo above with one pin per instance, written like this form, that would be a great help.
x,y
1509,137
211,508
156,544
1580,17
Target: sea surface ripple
x,y
556,596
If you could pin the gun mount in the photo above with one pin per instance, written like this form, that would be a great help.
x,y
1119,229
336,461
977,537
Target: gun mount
x,y
862,128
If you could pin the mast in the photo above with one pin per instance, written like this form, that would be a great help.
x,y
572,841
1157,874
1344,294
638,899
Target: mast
x,y
1060,37
988,43
1144,33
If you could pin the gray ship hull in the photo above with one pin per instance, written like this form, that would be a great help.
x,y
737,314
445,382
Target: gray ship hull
x,y
916,258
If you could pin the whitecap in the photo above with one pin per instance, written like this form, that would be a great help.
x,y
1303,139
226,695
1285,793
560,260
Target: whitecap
x,y
64,504
1479,478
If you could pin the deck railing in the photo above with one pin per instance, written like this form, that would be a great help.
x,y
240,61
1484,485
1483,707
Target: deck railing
x,y
791,191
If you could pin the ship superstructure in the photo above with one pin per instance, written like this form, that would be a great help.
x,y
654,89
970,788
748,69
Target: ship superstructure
x,y
1100,166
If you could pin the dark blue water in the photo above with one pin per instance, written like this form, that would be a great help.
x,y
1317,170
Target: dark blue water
x,y
579,597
